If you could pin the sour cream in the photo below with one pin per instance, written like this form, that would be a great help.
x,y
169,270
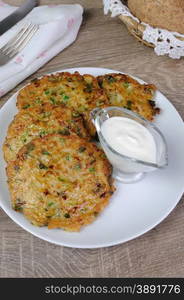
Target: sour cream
x,y
129,138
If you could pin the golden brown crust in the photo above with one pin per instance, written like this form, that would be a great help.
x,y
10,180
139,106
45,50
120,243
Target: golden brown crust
x,y
40,121
122,90
79,92
60,181
167,14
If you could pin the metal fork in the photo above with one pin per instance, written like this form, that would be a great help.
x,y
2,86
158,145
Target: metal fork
x,y
17,43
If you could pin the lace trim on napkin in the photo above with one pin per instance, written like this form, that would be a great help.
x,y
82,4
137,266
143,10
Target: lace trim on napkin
x,y
165,42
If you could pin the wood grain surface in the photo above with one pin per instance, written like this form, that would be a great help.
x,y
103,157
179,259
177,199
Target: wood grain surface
x,y
103,42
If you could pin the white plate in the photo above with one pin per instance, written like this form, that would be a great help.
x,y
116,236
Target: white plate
x,y
134,209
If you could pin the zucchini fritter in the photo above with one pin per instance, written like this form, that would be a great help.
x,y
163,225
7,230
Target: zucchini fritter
x,y
60,181
124,91
79,92
39,121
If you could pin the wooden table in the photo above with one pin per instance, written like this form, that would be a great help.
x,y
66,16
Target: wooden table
x,y
103,42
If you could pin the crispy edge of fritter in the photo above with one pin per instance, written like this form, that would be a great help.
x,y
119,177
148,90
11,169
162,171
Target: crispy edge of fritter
x,y
146,89
79,222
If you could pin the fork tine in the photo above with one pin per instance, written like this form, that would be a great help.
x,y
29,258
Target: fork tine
x,y
15,39
22,41
16,44
27,39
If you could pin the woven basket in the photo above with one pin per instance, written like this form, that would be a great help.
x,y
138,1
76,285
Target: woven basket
x,y
137,29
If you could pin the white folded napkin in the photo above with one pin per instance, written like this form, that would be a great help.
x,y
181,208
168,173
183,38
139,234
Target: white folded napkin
x,y
58,28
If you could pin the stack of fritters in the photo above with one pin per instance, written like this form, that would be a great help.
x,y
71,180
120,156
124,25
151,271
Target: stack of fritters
x,y
56,175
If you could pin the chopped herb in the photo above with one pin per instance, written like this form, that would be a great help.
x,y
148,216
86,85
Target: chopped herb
x,y
70,122
111,79
61,179
45,152
75,114
89,88
46,114
92,170
82,108
126,84
47,92
64,131
26,106
42,166
23,138
53,100
50,204
67,215
43,132
83,210
148,90
103,155
68,157
78,131
18,208
38,101
81,149
65,98
19,204
99,103
77,167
